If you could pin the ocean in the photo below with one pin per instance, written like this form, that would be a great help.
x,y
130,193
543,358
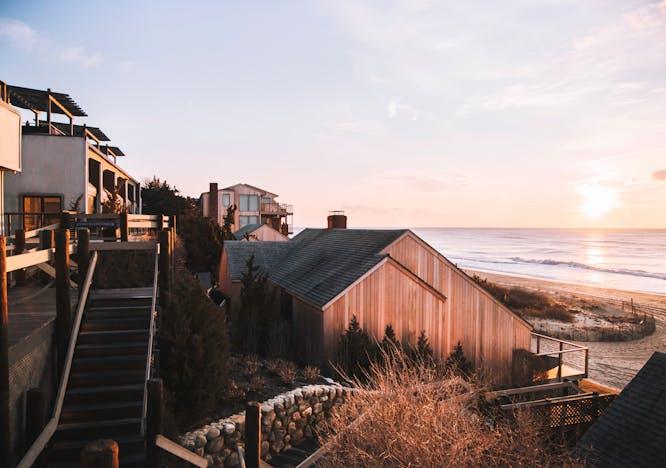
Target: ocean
x,y
633,260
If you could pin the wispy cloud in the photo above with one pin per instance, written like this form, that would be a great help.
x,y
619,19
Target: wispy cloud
x,y
396,107
659,175
19,35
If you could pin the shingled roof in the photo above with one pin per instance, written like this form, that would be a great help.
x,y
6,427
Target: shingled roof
x,y
317,264
247,229
266,255
632,431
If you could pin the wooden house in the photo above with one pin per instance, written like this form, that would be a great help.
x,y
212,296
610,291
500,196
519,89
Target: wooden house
x,y
254,205
324,277
259,232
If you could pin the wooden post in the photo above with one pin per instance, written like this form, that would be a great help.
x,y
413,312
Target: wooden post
x,y
101,453
252,434
65,220
559,363
165,266
19,248
124,227
153,421
63,320
35,416
538,344
5,438
587,360
46,240
83,255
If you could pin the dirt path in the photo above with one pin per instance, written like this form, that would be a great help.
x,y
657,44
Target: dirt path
x,y
615,364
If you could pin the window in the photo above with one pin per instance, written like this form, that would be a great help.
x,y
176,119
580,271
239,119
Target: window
x,y
39,205
266,200
245,220
249,203
226,200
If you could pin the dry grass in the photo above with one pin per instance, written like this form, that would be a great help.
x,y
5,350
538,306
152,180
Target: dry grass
x,y
410,415
287,371
311,374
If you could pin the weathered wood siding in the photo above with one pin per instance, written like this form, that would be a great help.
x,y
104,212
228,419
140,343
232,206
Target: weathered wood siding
x,y
388,296
488,331
307,331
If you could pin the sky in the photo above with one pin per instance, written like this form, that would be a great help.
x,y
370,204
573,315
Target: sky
x,y
524,113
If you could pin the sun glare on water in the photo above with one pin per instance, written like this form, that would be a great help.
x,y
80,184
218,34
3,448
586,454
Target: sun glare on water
x,y
597,200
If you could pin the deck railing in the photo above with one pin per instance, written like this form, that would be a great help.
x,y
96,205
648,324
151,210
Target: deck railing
x,y
564,359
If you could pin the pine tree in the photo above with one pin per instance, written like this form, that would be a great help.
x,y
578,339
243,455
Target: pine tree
x,y
390,342
353,350
423,352
252,322
228,222
457,361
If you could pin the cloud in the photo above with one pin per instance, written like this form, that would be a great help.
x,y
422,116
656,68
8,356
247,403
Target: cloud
x,y
17,33
395,107
21,36
659,175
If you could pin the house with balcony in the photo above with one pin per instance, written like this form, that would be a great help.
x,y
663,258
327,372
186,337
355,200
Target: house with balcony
x,y
10,145
65,165
254,205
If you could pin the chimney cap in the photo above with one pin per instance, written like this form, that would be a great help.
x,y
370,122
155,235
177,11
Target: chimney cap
x,y
336,212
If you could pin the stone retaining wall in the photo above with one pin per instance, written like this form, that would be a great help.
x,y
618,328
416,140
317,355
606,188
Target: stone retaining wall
x,y
285,421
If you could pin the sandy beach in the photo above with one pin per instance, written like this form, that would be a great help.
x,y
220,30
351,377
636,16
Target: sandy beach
x,y
611,363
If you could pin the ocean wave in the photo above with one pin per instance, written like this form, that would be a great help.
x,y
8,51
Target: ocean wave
x,y
585,266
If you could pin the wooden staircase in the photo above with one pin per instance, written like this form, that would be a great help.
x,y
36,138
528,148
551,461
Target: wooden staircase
x,y
105,392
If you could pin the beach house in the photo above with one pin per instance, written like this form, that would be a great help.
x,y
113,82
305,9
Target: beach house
x,y
323,277
65,166
10,145
254,205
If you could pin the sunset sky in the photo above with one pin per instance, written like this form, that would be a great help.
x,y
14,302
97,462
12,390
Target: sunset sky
x,y
529,113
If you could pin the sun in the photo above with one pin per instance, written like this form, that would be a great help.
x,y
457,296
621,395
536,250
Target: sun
x,y
597,200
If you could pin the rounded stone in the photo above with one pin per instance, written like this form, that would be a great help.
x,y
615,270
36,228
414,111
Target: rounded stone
x,y
229,428
212,433
200,440
215,445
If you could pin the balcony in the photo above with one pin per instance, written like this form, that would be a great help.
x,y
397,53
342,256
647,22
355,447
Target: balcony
x,y
278,209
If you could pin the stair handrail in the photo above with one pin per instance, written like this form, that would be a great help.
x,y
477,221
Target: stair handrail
x,y
151,337
45,436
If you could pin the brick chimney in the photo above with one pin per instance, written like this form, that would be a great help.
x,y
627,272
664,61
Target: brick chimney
x,y
337,220
213,208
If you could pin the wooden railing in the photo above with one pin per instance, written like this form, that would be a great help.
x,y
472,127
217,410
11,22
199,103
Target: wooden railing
x,y
40,443
151,338
571,360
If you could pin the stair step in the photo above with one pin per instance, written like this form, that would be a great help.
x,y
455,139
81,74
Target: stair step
x,y
112,349
96,411
121,323
106,377
114,336
91,430
107,363
108,394
131,448
116,302
117,312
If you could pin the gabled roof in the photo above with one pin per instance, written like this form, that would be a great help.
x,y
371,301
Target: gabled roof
x,y
37,99
247,229
632,431
232,187
266,255
317,264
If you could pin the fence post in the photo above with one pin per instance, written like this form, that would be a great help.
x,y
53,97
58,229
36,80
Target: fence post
x,y
5,444
559,363
153,421
83,255
19,248
587,360
65,220
538,344
46,240
63,320
101,453
124,227
252,434
165,266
